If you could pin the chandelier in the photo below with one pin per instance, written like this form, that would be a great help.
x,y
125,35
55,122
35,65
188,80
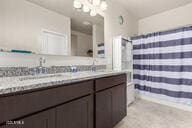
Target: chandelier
x,y
90,6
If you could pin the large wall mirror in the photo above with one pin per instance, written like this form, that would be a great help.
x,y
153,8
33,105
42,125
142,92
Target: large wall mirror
x,y
53,27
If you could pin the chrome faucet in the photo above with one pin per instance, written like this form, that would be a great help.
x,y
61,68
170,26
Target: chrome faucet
x,y
42,61
93,68
73,69
40,69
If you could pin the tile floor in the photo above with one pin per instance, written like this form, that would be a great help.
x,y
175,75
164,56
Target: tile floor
x,y
144,114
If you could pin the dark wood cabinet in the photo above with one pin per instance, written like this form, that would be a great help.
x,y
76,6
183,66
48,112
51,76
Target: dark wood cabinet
x,y
44,119
26,103
98,103
110,106
119,110
76,114
103,109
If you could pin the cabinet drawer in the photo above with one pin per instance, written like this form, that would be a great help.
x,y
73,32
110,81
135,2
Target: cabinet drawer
x,y
108,82
17,106
44,119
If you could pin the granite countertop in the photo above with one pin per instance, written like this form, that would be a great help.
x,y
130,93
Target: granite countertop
x,y
23,83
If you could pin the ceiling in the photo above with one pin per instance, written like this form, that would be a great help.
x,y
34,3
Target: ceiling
x,y
139,8
145,8
65,7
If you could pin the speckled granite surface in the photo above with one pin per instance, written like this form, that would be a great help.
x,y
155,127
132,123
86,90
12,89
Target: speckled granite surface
x,y
23,83
23,71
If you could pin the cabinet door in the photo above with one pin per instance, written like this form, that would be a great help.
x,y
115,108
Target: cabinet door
x,y
103,109
118,103
76,114
41,120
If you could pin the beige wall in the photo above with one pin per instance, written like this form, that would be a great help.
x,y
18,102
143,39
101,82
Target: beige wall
x,y
22,22
113,28
167,20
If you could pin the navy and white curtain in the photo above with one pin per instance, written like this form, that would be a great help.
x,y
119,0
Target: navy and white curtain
x,y
163,65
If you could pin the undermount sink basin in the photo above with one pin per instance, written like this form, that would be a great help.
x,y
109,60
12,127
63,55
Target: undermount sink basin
x,y
40,77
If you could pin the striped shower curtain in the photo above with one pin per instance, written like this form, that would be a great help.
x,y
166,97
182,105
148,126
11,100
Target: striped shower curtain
x,y
163,65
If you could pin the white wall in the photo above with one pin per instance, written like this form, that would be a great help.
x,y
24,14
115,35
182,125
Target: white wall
x,y
113,28
84,43
22,23
167,20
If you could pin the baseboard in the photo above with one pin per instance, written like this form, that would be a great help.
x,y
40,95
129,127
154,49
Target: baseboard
x,y
167,103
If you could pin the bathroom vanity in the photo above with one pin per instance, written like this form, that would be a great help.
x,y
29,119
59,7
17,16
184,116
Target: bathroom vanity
x,y
65,89
97,101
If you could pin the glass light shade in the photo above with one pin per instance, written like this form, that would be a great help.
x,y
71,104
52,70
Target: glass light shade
x,y
103,5
77,4
85,9
96,2
93,13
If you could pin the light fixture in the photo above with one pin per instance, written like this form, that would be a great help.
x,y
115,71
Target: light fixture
x,y
77,4
93,13
96,2
85,9
103,5
93,7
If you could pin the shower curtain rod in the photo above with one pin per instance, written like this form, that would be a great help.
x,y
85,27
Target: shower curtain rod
x,y
188,25
127,40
